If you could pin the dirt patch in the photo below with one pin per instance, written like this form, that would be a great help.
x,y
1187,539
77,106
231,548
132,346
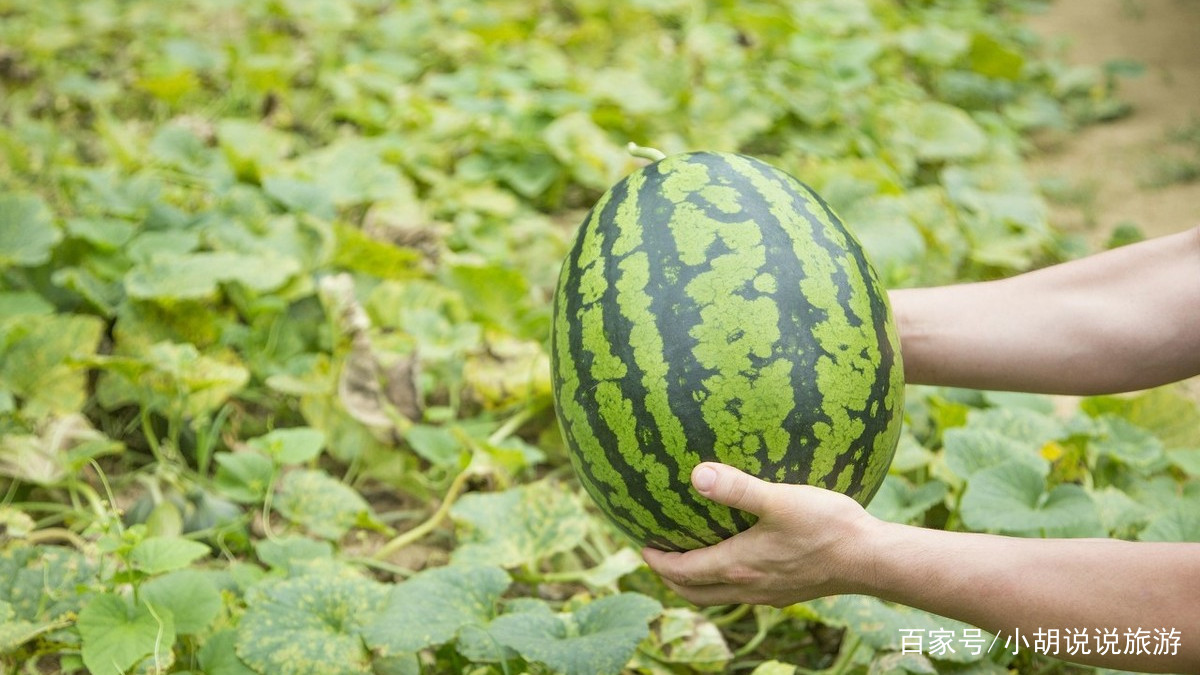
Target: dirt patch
x,y
1131,170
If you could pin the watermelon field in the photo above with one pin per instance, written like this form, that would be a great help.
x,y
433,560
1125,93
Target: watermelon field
x,y
276,284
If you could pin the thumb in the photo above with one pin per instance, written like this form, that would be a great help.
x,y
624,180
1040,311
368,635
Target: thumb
x,y
732,487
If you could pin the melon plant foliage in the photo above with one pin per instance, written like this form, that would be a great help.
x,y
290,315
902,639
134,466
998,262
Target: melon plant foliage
x,y
275,319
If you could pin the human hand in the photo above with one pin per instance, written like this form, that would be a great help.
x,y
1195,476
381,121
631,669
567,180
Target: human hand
x,y
808,542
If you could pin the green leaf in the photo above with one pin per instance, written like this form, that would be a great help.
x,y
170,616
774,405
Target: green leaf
x,y
1181,523
1037,403
612,568
1118,512
1186,459
892,663
358,252
1166,412
494,294
438,445
106,234
1160,493
243,476
252,148
597,639
586,150
15,304
172,378
900,501
774,668
518,526
148,244
189,595
934,44
39,363
1000,196
886,231
286,552
935,132
432,607
16,524
42,583
117,635
64,446
684,637
157,555
218,655
294,445
177,146
310,625
910,454
194,276
882,625
990,57
511,373
15,632
968,450
1020,423
300,196
320,503
1130,445
1011,497
629,90
27,230
352,171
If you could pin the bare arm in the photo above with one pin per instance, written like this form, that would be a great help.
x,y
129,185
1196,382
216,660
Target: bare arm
x,y
1117,321
810,542
1012,586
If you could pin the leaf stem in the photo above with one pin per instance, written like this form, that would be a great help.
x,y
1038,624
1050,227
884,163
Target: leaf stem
x,y
533,577
761,634
151,436
732,616
396,570
513,423
416,533
845,655
56,533
207,439
158,638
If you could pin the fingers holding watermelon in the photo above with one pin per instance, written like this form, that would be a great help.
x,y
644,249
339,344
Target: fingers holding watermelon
x,y
807,542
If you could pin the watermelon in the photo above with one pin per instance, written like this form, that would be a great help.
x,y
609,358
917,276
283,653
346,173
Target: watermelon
x,y
713,308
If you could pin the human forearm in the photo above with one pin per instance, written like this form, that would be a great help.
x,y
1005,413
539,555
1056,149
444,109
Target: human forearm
x,y
1009,585
1121,320
809,542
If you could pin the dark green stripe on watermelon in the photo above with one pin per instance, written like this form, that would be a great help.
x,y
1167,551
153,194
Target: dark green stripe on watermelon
x,y
713,308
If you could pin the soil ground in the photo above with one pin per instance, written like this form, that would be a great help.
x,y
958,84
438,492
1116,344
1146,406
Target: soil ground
x,y
1119,171
1138,169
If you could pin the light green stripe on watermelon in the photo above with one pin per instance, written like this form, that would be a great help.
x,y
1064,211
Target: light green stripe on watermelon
x,y
845,379
595,474
885,443
616,411
649,354
739,407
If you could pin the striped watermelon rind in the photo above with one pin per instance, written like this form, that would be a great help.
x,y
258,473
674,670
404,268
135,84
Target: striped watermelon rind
x,y
713,308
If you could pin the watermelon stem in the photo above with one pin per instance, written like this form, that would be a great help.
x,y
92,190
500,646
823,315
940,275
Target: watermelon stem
x,y
645,153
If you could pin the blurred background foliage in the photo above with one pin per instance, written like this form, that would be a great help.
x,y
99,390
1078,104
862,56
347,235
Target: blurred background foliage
x,y
275,280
